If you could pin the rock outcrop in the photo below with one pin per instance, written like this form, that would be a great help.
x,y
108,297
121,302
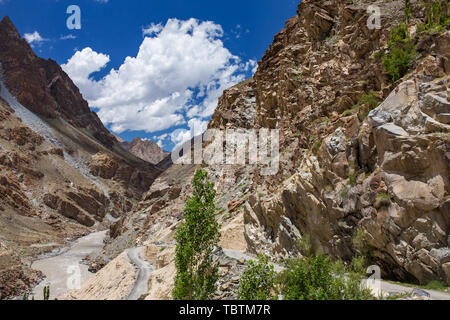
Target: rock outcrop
x,y
146,150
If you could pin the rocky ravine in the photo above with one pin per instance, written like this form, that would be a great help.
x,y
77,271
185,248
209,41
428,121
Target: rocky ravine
x,y
344,169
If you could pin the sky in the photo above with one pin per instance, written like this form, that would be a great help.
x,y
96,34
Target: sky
x,y
152,69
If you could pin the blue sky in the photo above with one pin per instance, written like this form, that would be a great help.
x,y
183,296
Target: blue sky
x,y
153,69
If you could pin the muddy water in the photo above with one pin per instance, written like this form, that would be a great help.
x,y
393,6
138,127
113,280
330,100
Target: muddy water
x,y
64,271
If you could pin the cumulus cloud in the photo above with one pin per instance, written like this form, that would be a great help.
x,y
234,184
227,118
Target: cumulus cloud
x,y
180,71
82,64
152,29
34,38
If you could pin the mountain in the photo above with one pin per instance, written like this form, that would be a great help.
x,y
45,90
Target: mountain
x,y
47,91
364,156
363,117
62,174
145,149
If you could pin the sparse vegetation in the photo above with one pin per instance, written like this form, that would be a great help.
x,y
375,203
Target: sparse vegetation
x,y
352,178
45,294
344,192
361,244
433,285
258,281
371,99
437,19
384,196
316,147
401,54
318,278
196,238
305,246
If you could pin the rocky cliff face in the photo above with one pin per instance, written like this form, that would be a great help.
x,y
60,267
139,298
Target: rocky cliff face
x,y
43,87
145,149
383,173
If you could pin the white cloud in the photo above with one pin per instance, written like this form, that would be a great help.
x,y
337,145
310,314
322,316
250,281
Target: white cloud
x,y
180,71
82,64
33,38
152,29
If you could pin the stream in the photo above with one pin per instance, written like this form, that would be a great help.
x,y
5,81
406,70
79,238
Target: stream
x,y
65,271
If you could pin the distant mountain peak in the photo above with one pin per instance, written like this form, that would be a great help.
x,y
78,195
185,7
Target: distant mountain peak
x,y
145,149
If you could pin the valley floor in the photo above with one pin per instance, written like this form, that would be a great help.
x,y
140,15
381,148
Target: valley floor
x,y
60,270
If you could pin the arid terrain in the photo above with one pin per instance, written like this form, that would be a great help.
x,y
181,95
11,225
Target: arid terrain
x,y
360,153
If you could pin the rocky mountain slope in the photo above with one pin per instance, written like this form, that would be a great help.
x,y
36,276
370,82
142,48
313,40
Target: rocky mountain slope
x,y
362,157
145,149
62,174
47,91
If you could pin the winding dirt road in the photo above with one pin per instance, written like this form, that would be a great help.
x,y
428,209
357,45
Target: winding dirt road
x,y
145,269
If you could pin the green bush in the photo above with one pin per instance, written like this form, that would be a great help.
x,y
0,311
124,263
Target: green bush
x,y
258,281
402,53
398,34
344,191
436,285
399,60
196,238
317,278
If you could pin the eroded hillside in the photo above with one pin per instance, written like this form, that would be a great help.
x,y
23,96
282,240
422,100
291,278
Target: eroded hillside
x,y
62,174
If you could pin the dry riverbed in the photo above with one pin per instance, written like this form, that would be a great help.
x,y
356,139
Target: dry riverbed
x,y
65,270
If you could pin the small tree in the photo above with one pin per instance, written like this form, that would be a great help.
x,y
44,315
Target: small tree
x,y
196,238
258,280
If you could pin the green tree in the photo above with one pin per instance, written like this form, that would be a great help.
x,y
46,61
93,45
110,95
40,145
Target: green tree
x,y
258,280
197,273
